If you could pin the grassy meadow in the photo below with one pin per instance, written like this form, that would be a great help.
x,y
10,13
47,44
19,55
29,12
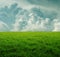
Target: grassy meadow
x,y
29,44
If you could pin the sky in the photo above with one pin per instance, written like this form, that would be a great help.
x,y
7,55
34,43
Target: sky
x,y
29,15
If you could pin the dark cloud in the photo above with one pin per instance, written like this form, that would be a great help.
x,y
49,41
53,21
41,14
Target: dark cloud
x,y
50,3
54,2
37,2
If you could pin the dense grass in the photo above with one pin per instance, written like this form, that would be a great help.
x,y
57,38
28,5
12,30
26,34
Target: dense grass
x,y
29,44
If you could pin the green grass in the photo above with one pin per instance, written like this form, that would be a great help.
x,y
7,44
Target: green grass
x,y
29,44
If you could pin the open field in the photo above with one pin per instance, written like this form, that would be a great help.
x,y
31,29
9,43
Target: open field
x,y
29,44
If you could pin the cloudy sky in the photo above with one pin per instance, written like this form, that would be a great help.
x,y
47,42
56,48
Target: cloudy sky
x,y
29,15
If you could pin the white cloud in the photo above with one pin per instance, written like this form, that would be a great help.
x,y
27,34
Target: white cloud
x,y
16,24
56,25
40,25
36,26
3,25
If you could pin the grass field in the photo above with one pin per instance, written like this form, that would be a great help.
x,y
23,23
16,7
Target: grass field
x,y
29,44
